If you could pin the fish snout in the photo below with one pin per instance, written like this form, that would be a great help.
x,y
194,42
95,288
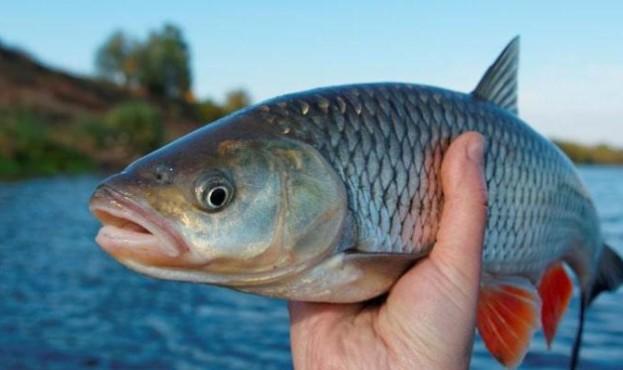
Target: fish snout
x,y
134,231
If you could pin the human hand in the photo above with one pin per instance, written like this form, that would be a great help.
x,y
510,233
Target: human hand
x,y
427,320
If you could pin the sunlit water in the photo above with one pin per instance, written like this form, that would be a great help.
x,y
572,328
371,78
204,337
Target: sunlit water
x,y
64,304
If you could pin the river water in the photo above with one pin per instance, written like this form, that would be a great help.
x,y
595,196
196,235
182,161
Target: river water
x,y
64,304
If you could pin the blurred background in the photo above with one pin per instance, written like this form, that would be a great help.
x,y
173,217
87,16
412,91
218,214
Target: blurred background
x,y
85,88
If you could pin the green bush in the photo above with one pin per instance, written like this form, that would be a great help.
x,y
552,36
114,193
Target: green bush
x,y
28,149
93,132
137,126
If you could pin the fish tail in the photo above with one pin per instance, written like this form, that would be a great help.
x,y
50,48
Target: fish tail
x,y
577,342
609,273
609,278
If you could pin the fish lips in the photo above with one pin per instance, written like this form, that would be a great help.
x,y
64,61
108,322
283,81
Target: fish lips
x,y
135,232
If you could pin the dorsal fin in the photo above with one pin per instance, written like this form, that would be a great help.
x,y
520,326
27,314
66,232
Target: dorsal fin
x,y
499,84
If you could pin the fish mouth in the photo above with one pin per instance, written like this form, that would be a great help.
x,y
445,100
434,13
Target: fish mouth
x,y
133,232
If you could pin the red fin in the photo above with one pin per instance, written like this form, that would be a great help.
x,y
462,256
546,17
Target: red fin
x,y
555,290
508,315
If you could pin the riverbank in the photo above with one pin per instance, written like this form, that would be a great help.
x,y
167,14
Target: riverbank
x,y
55,122
30,146
591,154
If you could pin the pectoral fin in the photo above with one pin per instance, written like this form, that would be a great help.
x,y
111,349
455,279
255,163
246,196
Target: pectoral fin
x,y
508,314
347,277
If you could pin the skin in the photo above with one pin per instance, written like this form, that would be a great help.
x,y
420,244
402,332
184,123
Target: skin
x,y
427,320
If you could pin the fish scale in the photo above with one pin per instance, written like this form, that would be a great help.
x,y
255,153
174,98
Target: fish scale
x,y
386,143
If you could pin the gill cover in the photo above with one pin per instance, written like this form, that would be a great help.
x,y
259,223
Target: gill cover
x,y
302,194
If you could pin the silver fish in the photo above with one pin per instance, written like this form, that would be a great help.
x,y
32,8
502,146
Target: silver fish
x,y
331,194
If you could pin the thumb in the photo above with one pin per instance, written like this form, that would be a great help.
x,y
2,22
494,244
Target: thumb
x,y
458,250
443,287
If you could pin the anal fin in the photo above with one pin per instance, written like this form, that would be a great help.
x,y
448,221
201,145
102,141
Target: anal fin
x,y
555,290
508,314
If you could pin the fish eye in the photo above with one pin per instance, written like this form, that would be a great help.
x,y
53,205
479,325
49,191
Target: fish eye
x,y
214,192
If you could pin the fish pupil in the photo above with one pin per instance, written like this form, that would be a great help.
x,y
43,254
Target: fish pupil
x,y
217,196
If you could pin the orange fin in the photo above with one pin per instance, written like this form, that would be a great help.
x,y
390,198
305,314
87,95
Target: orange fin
x,y
508,315
555,290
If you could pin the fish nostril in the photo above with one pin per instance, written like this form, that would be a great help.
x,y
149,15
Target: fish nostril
x,y
163,174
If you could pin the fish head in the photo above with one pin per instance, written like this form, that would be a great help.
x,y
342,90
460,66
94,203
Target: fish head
x,y
226,205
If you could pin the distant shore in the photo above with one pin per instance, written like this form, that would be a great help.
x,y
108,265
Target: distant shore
x,y
591,154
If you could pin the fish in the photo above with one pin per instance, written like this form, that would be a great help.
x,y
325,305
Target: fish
x,y
331,194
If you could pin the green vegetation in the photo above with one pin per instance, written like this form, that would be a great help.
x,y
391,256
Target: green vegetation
x,y
28,148
236,99
116,60
95,124
160,65
210,110
597,154
136,126
31,145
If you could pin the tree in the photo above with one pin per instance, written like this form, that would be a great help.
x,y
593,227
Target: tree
x,y
236,99
164,64
160,65
116,59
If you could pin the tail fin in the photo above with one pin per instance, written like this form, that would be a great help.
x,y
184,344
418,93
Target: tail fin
x,y
609,275
577,343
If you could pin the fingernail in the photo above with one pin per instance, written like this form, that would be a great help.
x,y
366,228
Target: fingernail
x,y
476,149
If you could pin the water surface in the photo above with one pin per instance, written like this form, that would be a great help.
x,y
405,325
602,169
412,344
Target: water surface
x,y
64,304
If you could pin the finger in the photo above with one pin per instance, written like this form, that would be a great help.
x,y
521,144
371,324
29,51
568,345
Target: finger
x,y
458,250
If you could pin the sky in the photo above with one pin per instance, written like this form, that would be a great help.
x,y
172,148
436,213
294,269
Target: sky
x,y
571,68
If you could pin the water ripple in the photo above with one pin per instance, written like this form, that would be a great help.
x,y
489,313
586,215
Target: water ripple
x,y
65,304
